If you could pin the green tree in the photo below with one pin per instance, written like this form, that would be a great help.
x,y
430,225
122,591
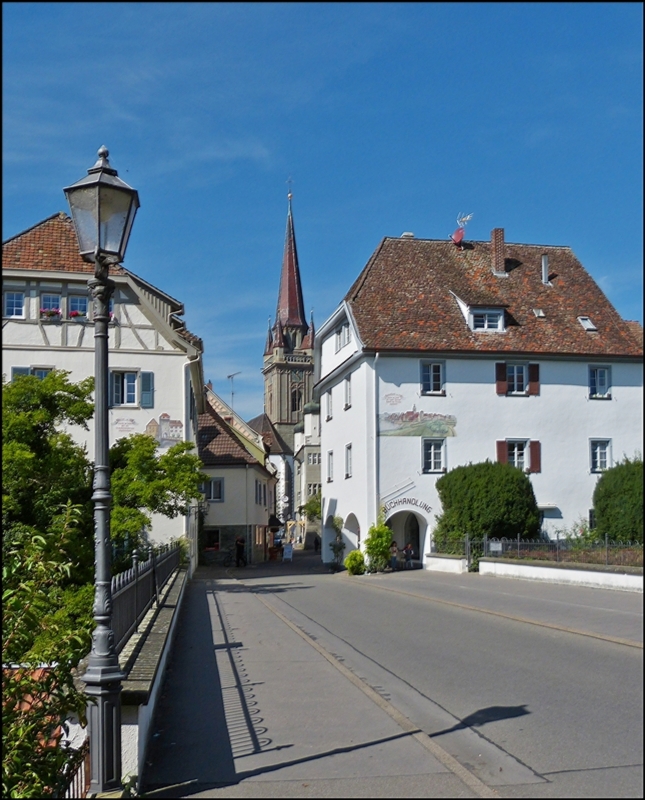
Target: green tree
x,y
35,701
618,502
377,544
486,499
312,509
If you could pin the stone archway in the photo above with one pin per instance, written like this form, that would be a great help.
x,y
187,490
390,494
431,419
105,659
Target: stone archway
x,y
408,526
353,531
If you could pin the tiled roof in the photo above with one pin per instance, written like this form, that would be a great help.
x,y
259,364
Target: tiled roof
x,y
404,300
217,446
263,425
636,330
48,245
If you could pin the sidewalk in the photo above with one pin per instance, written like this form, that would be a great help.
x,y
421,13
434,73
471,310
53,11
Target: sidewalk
x,y
251,709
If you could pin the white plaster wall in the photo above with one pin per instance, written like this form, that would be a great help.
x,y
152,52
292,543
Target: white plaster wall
x,y
343,496
530,572
332,359
239,506
562,418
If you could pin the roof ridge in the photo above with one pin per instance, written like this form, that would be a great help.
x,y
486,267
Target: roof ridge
x,y
60,214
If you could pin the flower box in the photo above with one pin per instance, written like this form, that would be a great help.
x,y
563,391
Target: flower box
x,y
77,315
50,313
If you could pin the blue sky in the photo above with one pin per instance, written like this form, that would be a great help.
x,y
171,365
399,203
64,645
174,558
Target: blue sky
x,y
388,117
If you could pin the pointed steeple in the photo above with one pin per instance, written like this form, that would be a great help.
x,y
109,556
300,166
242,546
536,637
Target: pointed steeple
x,y
278,338
268,347
290,310
308,341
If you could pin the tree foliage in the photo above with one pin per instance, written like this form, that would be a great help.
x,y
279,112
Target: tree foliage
x,y
618,502
312,509
486,499
377,545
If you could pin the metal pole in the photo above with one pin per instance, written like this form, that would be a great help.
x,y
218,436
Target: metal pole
x,y
606,549
103,676
557,547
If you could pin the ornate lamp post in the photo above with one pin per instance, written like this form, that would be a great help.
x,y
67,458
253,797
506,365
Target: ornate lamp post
x,y
103,209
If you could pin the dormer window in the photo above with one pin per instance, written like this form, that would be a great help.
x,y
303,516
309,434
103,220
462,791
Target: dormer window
x,y
587,324
486,319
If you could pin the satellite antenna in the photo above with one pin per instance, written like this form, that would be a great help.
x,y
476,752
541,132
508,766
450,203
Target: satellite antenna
x,y
230,378
458,236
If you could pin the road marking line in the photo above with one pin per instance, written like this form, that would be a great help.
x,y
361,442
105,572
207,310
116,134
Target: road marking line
x,y
450,762
612,639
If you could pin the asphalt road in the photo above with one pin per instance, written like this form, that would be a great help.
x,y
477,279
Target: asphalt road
x,y
536,690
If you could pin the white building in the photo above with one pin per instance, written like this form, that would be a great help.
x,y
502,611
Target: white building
x,y
241,489
441,355
156,377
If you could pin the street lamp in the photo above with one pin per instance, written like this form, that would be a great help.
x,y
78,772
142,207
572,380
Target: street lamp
x,y
103,209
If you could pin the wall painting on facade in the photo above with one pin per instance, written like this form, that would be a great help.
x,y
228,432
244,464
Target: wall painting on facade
x,y
165,430
416,423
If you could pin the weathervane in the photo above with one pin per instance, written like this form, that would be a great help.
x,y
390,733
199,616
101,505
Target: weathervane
x,y
289,181
458,236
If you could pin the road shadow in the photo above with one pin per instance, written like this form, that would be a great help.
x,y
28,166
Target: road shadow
x,y
484,716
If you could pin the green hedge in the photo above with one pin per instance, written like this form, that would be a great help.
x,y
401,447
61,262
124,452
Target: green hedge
x,y
487,499
618,502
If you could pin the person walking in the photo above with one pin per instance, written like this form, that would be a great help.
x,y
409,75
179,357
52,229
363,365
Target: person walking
x,y
408,552
240,558
393,554
316,543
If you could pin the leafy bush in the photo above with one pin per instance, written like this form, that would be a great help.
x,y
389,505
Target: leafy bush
x,y
618,502
355,563
487,499
377,545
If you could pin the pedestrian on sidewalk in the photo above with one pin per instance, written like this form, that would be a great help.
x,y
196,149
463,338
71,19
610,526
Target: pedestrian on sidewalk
x,y
316,543
240,558
408,552
393,554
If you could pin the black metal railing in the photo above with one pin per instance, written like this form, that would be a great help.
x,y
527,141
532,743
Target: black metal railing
x,y
570,550
75,778
135,589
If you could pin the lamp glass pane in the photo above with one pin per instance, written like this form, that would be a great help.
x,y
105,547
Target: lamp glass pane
x,y
114,205
84,208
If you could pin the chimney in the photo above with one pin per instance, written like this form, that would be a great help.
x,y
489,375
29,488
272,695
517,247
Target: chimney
x,y
545,269
497,250
209,385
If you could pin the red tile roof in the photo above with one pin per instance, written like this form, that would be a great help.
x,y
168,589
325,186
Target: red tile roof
x,y
636,330
270,436
404,300
217,446
291,309
48,245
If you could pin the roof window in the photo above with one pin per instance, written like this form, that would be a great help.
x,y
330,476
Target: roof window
x,y
538,312
486,319
587,324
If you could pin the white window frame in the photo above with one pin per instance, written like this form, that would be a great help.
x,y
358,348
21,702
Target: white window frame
x,y
76,300
513,369
430,371
348,460
120,385
595,446
587,324
330,466
491,319
208,489
338,334
347,334
438,448
513,448
348,391
329,404
47,302
5,309
594,373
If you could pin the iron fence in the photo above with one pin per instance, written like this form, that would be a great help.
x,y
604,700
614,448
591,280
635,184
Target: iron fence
x,y
75,778
571,550
135,589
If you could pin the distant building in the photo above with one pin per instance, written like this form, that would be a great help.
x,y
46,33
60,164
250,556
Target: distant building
x,y
441,355
288,374
156,378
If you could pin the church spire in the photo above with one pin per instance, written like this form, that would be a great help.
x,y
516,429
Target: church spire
x,y
268,348
290,310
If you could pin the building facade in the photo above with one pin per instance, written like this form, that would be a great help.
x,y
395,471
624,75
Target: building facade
x,y
156,378
443,354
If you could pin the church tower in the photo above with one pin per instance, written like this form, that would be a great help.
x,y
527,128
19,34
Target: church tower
x,y
288,354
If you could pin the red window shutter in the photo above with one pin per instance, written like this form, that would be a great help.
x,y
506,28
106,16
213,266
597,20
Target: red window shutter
x,y
534,379
502,452
500,378
535,451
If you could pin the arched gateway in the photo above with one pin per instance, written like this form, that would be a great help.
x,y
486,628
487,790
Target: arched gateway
x,y
409,526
